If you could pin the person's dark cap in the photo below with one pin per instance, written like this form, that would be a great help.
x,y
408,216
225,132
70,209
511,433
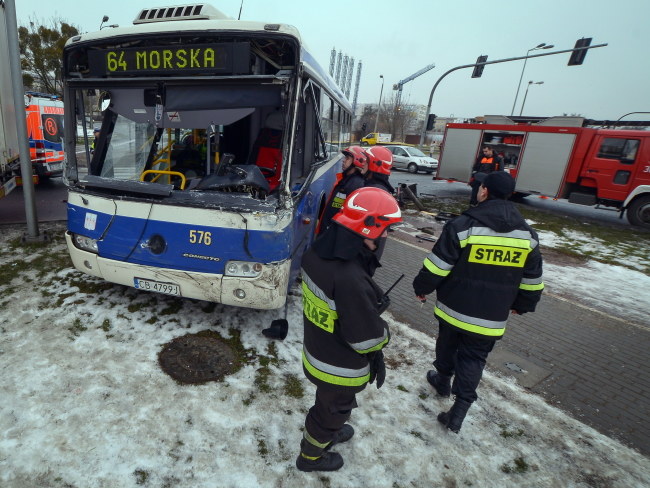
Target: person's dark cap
x,y
498,183
95,130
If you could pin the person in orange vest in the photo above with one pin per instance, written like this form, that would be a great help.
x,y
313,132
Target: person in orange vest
x,y
486,163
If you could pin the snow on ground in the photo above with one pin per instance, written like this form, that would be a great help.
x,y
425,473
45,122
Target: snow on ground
x,y
85,404
610,288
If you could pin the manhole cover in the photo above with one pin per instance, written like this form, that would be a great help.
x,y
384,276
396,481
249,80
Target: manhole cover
x,y
197,359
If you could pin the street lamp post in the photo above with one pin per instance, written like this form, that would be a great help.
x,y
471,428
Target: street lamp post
x,y
543,45
379,106
526,94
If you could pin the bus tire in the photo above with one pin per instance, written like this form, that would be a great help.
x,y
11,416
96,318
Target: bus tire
x,y
638,212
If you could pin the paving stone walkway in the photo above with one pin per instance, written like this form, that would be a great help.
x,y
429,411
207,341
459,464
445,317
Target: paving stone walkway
x,y
593,366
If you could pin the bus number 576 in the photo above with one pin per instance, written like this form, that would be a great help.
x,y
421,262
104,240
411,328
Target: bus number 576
x,y
200,237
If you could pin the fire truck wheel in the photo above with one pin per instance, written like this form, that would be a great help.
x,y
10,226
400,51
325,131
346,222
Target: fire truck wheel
x,y
638,213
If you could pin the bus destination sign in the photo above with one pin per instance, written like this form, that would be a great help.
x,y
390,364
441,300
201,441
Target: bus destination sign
x,y
218,58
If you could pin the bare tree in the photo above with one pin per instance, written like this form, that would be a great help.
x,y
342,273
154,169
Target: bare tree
x,y
400,119
41,50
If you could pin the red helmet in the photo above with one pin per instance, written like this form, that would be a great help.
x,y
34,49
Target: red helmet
x,y
368,212
357,154
380,160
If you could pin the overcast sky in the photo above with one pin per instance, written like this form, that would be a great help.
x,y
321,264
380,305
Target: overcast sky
x,y
398,38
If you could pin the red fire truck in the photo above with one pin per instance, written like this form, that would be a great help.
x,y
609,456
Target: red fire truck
x,y
561,157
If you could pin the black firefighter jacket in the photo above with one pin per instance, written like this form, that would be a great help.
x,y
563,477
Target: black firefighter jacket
x,y
343,188
486,263
341,322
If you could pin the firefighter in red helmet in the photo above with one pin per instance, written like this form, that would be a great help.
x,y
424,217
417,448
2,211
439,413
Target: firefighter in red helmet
x,y
351,179
343,331
380,162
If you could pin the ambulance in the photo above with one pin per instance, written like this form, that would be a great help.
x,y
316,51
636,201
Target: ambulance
x,y
45,133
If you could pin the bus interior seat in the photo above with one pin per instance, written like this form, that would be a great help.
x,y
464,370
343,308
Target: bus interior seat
x,y
267,149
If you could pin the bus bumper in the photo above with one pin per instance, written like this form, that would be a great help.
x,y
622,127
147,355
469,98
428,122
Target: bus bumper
x,y
267,291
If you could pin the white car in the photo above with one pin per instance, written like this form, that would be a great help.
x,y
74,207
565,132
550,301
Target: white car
x,y
412,159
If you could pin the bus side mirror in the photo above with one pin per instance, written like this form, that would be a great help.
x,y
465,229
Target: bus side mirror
x,y
104,101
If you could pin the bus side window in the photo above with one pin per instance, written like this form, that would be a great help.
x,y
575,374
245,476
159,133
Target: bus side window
x,y
309,140
297,165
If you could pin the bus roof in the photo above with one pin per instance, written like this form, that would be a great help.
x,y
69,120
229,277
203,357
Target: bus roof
x,y
178,26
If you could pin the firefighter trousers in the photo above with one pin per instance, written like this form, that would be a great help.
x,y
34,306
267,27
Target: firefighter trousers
x,y
331,410
463,356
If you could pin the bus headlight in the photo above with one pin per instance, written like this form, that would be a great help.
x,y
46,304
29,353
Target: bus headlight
x,y
243,269
85,243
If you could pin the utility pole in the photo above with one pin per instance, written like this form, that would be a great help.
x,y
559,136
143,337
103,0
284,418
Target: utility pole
x,y
21,123
356,88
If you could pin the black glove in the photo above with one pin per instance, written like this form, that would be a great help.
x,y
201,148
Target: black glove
x,y
377,367
383,304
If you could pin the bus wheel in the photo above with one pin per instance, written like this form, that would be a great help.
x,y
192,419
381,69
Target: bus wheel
x,y
638,213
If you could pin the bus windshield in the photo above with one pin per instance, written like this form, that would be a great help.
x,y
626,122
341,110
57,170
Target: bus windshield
x,y
182,134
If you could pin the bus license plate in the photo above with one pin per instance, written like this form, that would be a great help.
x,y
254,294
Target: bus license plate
x,y
157,286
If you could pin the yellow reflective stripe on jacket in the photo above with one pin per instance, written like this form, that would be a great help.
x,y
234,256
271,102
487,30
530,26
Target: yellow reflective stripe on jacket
x,y
496,240
371,344
484,235
488,327
360,378
435,269
317,310
338,200
531,284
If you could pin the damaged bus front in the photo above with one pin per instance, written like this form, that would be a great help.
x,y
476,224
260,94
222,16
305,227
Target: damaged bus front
x,y
211,165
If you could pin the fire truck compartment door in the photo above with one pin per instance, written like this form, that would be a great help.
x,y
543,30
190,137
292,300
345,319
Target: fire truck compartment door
x,y
543,163
459,154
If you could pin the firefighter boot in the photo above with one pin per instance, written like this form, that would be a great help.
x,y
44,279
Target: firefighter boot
x,y
327,461
343,435
453,419
440,382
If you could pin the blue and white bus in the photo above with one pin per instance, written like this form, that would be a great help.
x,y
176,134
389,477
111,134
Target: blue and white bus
x,y
218,147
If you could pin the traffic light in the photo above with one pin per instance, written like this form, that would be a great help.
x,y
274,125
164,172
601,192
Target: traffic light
x,y
478,68
577,57
363,127
431,121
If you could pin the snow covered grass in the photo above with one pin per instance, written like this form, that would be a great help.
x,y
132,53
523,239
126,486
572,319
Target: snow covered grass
x,y
85,403
623,246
